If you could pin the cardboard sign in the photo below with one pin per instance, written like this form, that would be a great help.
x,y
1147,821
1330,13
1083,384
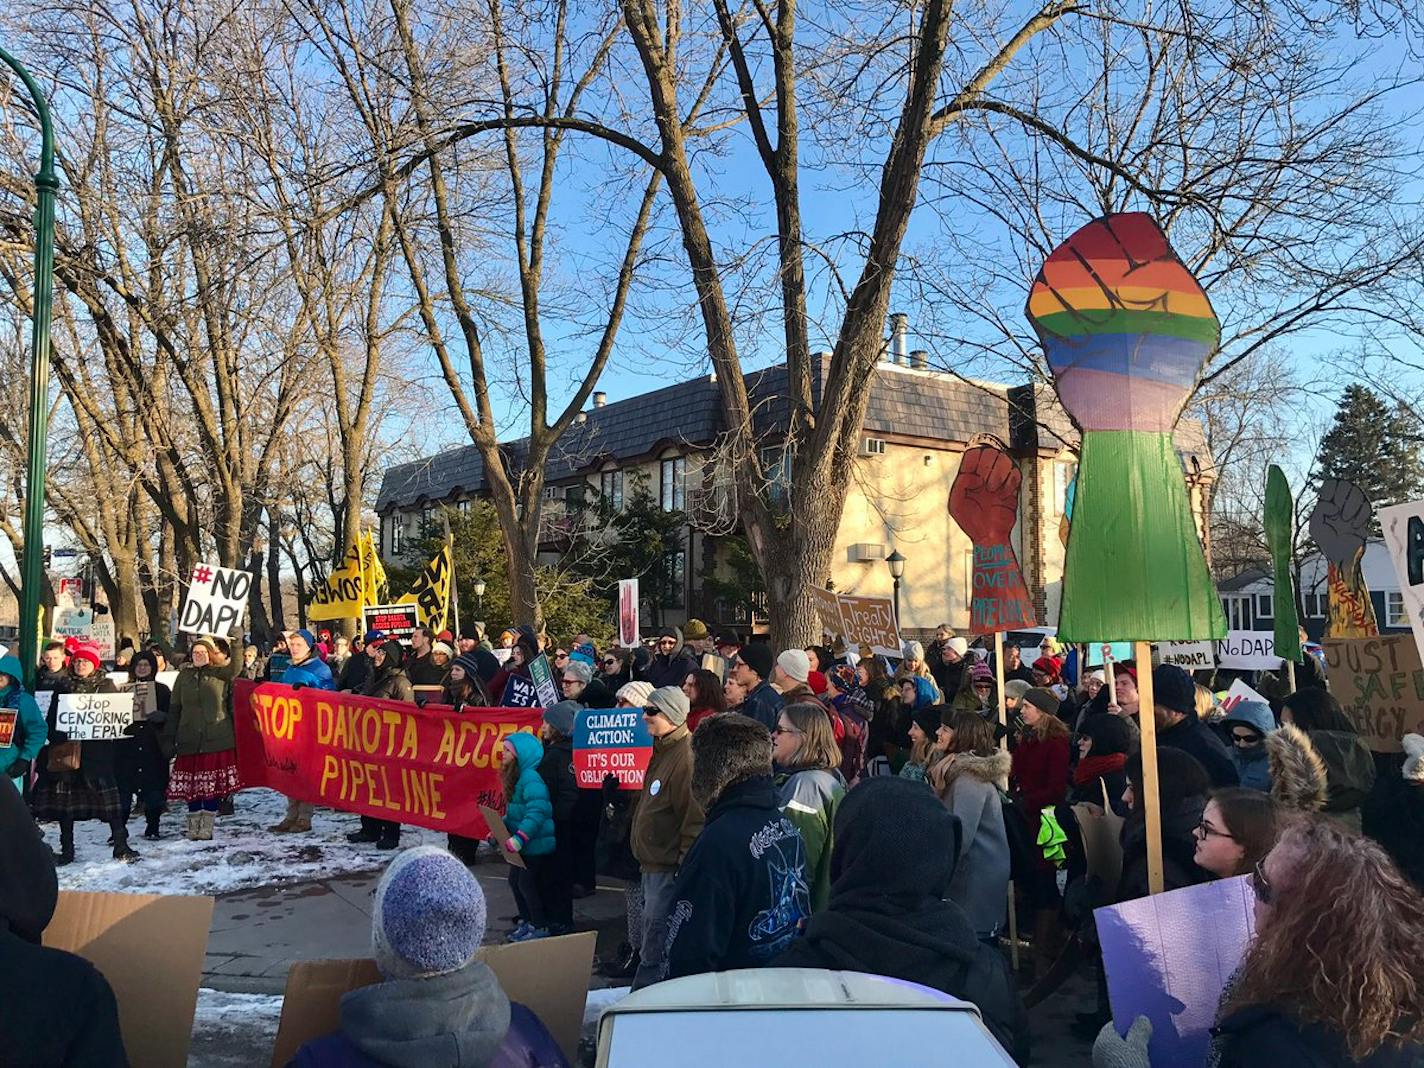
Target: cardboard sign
x,y
1404,536
520,692
1190,656
549,977
73,622
44,698
101,633
1248,650
150,948
628,612
393,620
871,621
1100,653
1239,692
495,822
984,501
718,665
1341,524
386,759
1162,962
1380,685
8,716
828,610
611,741
145,698
217,599
544,684
94,717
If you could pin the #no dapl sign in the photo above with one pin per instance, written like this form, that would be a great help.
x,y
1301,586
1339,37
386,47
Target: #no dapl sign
x,y
216,599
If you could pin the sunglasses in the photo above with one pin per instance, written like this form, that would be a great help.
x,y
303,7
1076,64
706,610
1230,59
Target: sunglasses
x,y
785,730
1260,885
561,656
1246,739
610,662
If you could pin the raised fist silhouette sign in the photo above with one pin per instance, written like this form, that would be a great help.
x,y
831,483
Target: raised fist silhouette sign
x,y
1340,524
984,501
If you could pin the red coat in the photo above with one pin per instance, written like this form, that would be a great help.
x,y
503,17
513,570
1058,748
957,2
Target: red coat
x,y
1040,770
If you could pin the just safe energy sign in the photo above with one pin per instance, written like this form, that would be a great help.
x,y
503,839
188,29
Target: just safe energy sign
x,y
611,741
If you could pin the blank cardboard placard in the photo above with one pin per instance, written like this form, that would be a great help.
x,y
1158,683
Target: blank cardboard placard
x,y
495,822
1164,963
150,948
549,977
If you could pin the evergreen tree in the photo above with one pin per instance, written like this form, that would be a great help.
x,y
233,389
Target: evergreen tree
x,y
1375,445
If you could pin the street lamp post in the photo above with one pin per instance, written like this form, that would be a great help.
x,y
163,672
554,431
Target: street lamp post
x,y
479,587
46,186
896,563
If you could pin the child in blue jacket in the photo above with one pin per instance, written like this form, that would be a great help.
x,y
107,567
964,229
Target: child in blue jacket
x,y
529,816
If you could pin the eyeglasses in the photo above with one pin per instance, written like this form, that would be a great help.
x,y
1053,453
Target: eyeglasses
x,y
1249,738
568,682
786,730
1260,885
1206,830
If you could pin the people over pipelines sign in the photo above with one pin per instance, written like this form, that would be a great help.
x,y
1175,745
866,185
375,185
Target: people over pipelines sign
x,y
431,767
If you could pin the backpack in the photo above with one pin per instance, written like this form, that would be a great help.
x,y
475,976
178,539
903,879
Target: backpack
x,y
852,737
1025,855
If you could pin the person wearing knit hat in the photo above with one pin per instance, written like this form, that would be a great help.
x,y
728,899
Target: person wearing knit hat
x,y
559,717
1393,812
673,659
817,683
576,814
665,823
1174,696
918,703
792,667
1039,775
752,669
91,790
1014,690
697,637
948,667
634,694
90,653
438,1001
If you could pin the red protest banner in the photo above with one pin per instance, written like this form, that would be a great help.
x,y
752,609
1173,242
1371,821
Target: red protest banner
x,y
429,767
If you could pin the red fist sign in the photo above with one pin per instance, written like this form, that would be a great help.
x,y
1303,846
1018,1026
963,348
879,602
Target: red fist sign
x,y
984,501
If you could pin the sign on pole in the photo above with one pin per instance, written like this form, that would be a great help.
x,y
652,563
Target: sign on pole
x,y
628,612
871,621
94,717
1189,656
1380,685
611,741
217,598
392,620
544,684
1404,535
1248,650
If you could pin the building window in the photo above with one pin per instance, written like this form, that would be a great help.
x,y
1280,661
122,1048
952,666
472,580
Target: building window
x,y
463,506
672,484
397,534
874,447
676,564
776,466
610,485
425,514
1265,606
1238,612
1062,478
1394,613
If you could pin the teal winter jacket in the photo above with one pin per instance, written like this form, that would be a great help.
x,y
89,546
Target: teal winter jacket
x,y
529,814
31,731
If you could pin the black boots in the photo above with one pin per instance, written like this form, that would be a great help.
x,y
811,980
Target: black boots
x,y
623,966
389,839
122,851
150,830
66,845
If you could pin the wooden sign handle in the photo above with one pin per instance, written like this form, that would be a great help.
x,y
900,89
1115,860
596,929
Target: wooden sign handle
x,y
1151,799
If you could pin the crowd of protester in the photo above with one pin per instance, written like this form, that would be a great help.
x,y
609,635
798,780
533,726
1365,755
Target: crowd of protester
x,y
831,807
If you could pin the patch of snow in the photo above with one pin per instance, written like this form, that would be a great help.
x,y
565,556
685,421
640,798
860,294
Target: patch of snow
x,y
242,855
233,1030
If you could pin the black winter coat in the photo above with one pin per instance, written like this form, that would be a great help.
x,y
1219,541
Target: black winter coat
x,y
742,892
1193,736
670,670
1393,815
1260,1035
356,675
1179,847
557,771
97,760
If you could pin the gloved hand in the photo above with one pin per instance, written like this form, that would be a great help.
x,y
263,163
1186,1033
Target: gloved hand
x,y
515,844
610,788
18,768
1112,1050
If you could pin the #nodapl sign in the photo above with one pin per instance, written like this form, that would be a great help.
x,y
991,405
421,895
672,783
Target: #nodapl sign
x,y
430,767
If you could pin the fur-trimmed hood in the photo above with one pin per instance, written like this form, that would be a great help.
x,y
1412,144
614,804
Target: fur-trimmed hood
x,y
986,768
1297,773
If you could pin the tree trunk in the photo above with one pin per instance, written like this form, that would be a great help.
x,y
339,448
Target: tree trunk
x,y
258,627
122,589
274,571
793,564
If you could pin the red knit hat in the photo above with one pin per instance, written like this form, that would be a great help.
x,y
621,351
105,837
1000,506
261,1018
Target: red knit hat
x,y
87,651
817,682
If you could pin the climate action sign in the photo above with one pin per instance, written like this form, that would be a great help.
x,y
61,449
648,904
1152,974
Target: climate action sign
x,y
611,741
431,767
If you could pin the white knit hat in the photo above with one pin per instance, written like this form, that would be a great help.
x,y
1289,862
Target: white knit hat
x,y
795,663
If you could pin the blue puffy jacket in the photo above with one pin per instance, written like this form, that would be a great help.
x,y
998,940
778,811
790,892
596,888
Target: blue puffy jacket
x,y
529,814
311,672
1253,763
31,730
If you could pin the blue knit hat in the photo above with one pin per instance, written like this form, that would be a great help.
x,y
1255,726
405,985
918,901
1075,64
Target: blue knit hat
x,y
308,637
429,916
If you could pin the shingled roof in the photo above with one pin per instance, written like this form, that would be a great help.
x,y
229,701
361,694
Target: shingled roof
x,y
913,403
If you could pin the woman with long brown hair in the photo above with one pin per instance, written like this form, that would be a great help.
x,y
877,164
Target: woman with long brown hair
x,y
965,774
705,696
1333,975
1238,827
809,786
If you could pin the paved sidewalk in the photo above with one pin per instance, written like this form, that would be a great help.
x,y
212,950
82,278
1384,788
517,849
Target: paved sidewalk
x,y
258,934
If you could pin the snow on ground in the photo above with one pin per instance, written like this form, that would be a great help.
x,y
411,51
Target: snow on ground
x,y
233,1030
242,855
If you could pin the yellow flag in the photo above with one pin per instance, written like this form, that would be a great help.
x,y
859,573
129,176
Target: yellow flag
x,y
431,592
373,575
342,594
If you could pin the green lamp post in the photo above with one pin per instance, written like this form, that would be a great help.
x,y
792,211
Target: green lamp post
x,y
46,185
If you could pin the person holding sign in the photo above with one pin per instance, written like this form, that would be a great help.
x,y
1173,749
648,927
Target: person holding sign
x,y
143,769
199,733
78,780
390,683
22,725
305,669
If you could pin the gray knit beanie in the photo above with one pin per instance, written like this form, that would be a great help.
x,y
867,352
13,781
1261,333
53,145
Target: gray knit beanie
x,y
429,915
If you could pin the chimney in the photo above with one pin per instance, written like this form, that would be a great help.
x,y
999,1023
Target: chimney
x,y
600,398
581,418
900,338
920,360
